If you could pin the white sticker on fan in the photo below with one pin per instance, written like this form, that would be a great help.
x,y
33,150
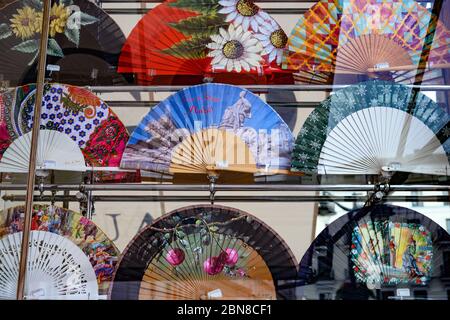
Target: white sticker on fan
x,y
215,294
381,65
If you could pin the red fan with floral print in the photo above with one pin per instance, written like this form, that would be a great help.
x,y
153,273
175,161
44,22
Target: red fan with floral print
x,y
189,42
78,131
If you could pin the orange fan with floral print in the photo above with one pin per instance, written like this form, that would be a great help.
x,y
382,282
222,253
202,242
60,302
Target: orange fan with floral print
x,y
191,41
78,130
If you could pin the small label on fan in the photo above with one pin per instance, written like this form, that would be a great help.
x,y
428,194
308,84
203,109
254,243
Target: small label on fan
x,y
215,294
53,67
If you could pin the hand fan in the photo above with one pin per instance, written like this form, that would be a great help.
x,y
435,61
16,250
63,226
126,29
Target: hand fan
x,y
98,249
373,128
185,41
84,43
72,120
380,247
384,39
208,129
205,252
56,269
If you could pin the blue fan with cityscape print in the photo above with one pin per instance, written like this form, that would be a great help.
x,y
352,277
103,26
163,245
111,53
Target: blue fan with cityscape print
x,y
374,128
207,129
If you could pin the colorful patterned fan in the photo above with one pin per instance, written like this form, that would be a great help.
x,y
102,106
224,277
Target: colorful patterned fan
x,y
84,43
380,247
384,39
76,117
100,251
56,269
208,129
185,41
373,128
205,252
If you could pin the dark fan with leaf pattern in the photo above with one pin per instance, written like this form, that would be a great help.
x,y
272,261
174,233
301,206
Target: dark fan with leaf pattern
x,y
83,48
205,252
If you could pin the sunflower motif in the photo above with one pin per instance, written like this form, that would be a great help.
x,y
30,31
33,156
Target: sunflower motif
x,y
273,39
59,15
83,97
235,49
245,13
26,22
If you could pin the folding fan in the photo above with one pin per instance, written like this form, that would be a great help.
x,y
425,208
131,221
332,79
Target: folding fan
x,y
77,130
185,41
84,43
385,39
374,127
205,252
100,252
375,249
56,269
207,129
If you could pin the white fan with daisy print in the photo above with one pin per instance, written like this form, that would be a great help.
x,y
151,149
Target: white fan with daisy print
x,y
190,41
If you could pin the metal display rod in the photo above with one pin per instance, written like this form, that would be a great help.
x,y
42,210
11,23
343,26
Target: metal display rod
x,y
254,88
219,187
159,198
33,151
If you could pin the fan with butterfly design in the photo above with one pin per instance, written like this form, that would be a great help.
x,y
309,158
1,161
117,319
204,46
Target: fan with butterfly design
x,y
191,41
376,249
205,252
83,48
394,40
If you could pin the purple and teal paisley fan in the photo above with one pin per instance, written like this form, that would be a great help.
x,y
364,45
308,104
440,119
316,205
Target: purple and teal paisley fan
x,y
374,127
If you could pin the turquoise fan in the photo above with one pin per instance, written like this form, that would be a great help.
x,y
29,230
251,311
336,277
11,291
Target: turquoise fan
x,y
373,128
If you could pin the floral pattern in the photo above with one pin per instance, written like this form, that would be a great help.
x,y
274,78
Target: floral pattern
x,y
83,232
235,50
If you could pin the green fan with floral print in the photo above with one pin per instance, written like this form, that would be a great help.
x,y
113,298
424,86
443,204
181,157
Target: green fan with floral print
x,y
374,128
83,47
191,41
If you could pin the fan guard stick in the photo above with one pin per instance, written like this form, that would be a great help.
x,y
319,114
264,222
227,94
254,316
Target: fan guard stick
x,y
33,152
